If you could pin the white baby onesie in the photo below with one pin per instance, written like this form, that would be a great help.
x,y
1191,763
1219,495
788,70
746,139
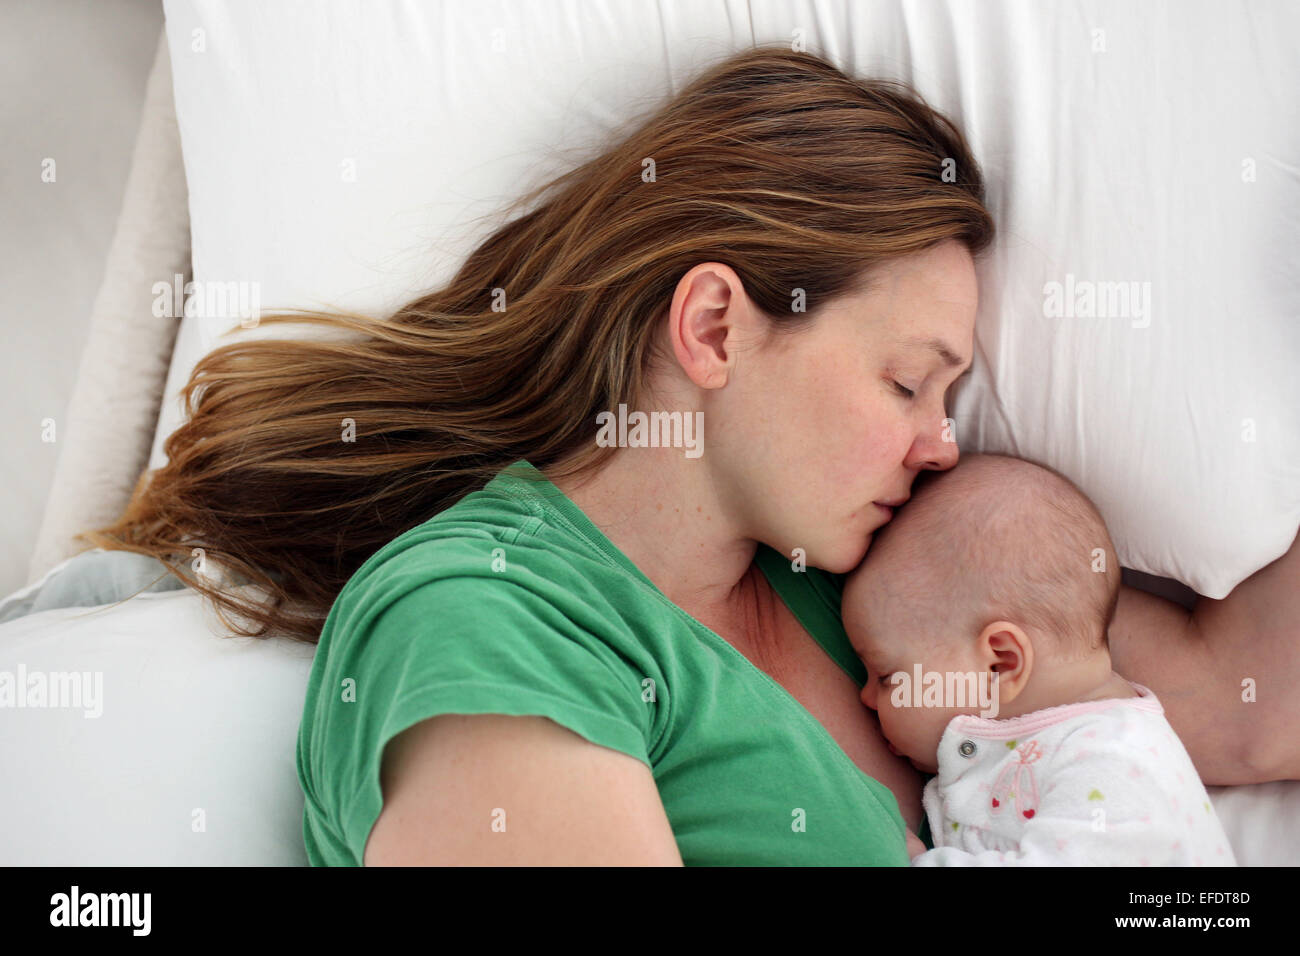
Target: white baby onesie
x,y
1098,783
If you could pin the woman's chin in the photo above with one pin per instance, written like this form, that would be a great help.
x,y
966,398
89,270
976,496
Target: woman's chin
x,y
842,560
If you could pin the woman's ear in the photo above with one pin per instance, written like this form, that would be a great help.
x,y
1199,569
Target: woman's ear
x,y
704,323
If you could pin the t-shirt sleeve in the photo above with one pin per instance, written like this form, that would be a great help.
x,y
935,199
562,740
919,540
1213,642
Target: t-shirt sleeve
x,y
403,651
487,645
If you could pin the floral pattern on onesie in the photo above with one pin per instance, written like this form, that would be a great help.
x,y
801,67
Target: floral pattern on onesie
x,y
1097,783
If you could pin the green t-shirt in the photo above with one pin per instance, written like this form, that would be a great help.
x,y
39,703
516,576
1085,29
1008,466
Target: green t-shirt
x,y
512,602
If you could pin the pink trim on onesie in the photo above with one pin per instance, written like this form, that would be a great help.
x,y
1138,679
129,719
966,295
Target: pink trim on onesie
x,y
1033,722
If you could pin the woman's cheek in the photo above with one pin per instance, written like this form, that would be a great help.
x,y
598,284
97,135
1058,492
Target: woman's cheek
x,y
883,448
885,421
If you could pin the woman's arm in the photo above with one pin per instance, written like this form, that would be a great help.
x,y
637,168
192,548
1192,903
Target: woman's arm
x,y
1226,672
497,790
1255,632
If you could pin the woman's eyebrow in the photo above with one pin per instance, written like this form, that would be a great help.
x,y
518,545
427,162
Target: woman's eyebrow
x,y
939,347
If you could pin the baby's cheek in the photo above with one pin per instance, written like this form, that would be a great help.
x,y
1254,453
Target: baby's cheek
x,y
931,732
899,721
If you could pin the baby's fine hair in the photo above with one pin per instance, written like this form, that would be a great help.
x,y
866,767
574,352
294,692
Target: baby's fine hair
x,y
1003,538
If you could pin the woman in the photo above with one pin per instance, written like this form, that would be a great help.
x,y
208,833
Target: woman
x,y
615,654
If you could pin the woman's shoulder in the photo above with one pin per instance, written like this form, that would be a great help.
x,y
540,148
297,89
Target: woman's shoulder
x,y
483,533
496,566
478,610
478,566
486,599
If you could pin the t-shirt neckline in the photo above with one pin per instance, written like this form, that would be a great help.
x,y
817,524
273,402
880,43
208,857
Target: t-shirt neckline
x,y
558,502
522,472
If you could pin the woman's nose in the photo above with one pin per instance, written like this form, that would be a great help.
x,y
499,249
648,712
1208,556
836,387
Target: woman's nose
x,y
935,449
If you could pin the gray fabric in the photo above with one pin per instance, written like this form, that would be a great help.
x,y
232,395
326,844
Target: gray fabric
x,y
91,579
113,411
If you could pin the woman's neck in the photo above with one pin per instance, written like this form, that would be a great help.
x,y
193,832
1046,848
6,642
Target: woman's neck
x,y
666,514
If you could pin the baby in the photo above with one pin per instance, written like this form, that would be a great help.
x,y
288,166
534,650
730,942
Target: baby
x,y
981,614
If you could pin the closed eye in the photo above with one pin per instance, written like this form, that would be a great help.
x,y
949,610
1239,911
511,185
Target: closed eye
x,y
904,390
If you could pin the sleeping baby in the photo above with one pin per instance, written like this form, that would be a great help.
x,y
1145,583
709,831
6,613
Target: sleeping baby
x,y
981,614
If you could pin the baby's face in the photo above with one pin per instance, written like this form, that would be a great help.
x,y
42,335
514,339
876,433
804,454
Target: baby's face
x,y
912,717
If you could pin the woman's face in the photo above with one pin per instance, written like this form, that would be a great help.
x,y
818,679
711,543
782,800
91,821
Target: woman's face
x,y
819,425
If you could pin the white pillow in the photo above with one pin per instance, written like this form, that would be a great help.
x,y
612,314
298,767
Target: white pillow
x,y
340,159
191,759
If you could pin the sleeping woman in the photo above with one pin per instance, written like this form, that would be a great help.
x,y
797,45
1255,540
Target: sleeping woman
x,y
540,648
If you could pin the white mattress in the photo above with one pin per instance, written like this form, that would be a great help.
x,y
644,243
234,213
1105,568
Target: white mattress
x,y
196,726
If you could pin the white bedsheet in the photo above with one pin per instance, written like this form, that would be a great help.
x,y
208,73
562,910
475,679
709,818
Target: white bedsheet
x,y
196,729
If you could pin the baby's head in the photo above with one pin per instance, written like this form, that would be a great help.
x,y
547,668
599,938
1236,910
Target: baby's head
x,y
996,566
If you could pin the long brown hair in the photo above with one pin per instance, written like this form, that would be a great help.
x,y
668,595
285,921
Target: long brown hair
x,y
773,162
